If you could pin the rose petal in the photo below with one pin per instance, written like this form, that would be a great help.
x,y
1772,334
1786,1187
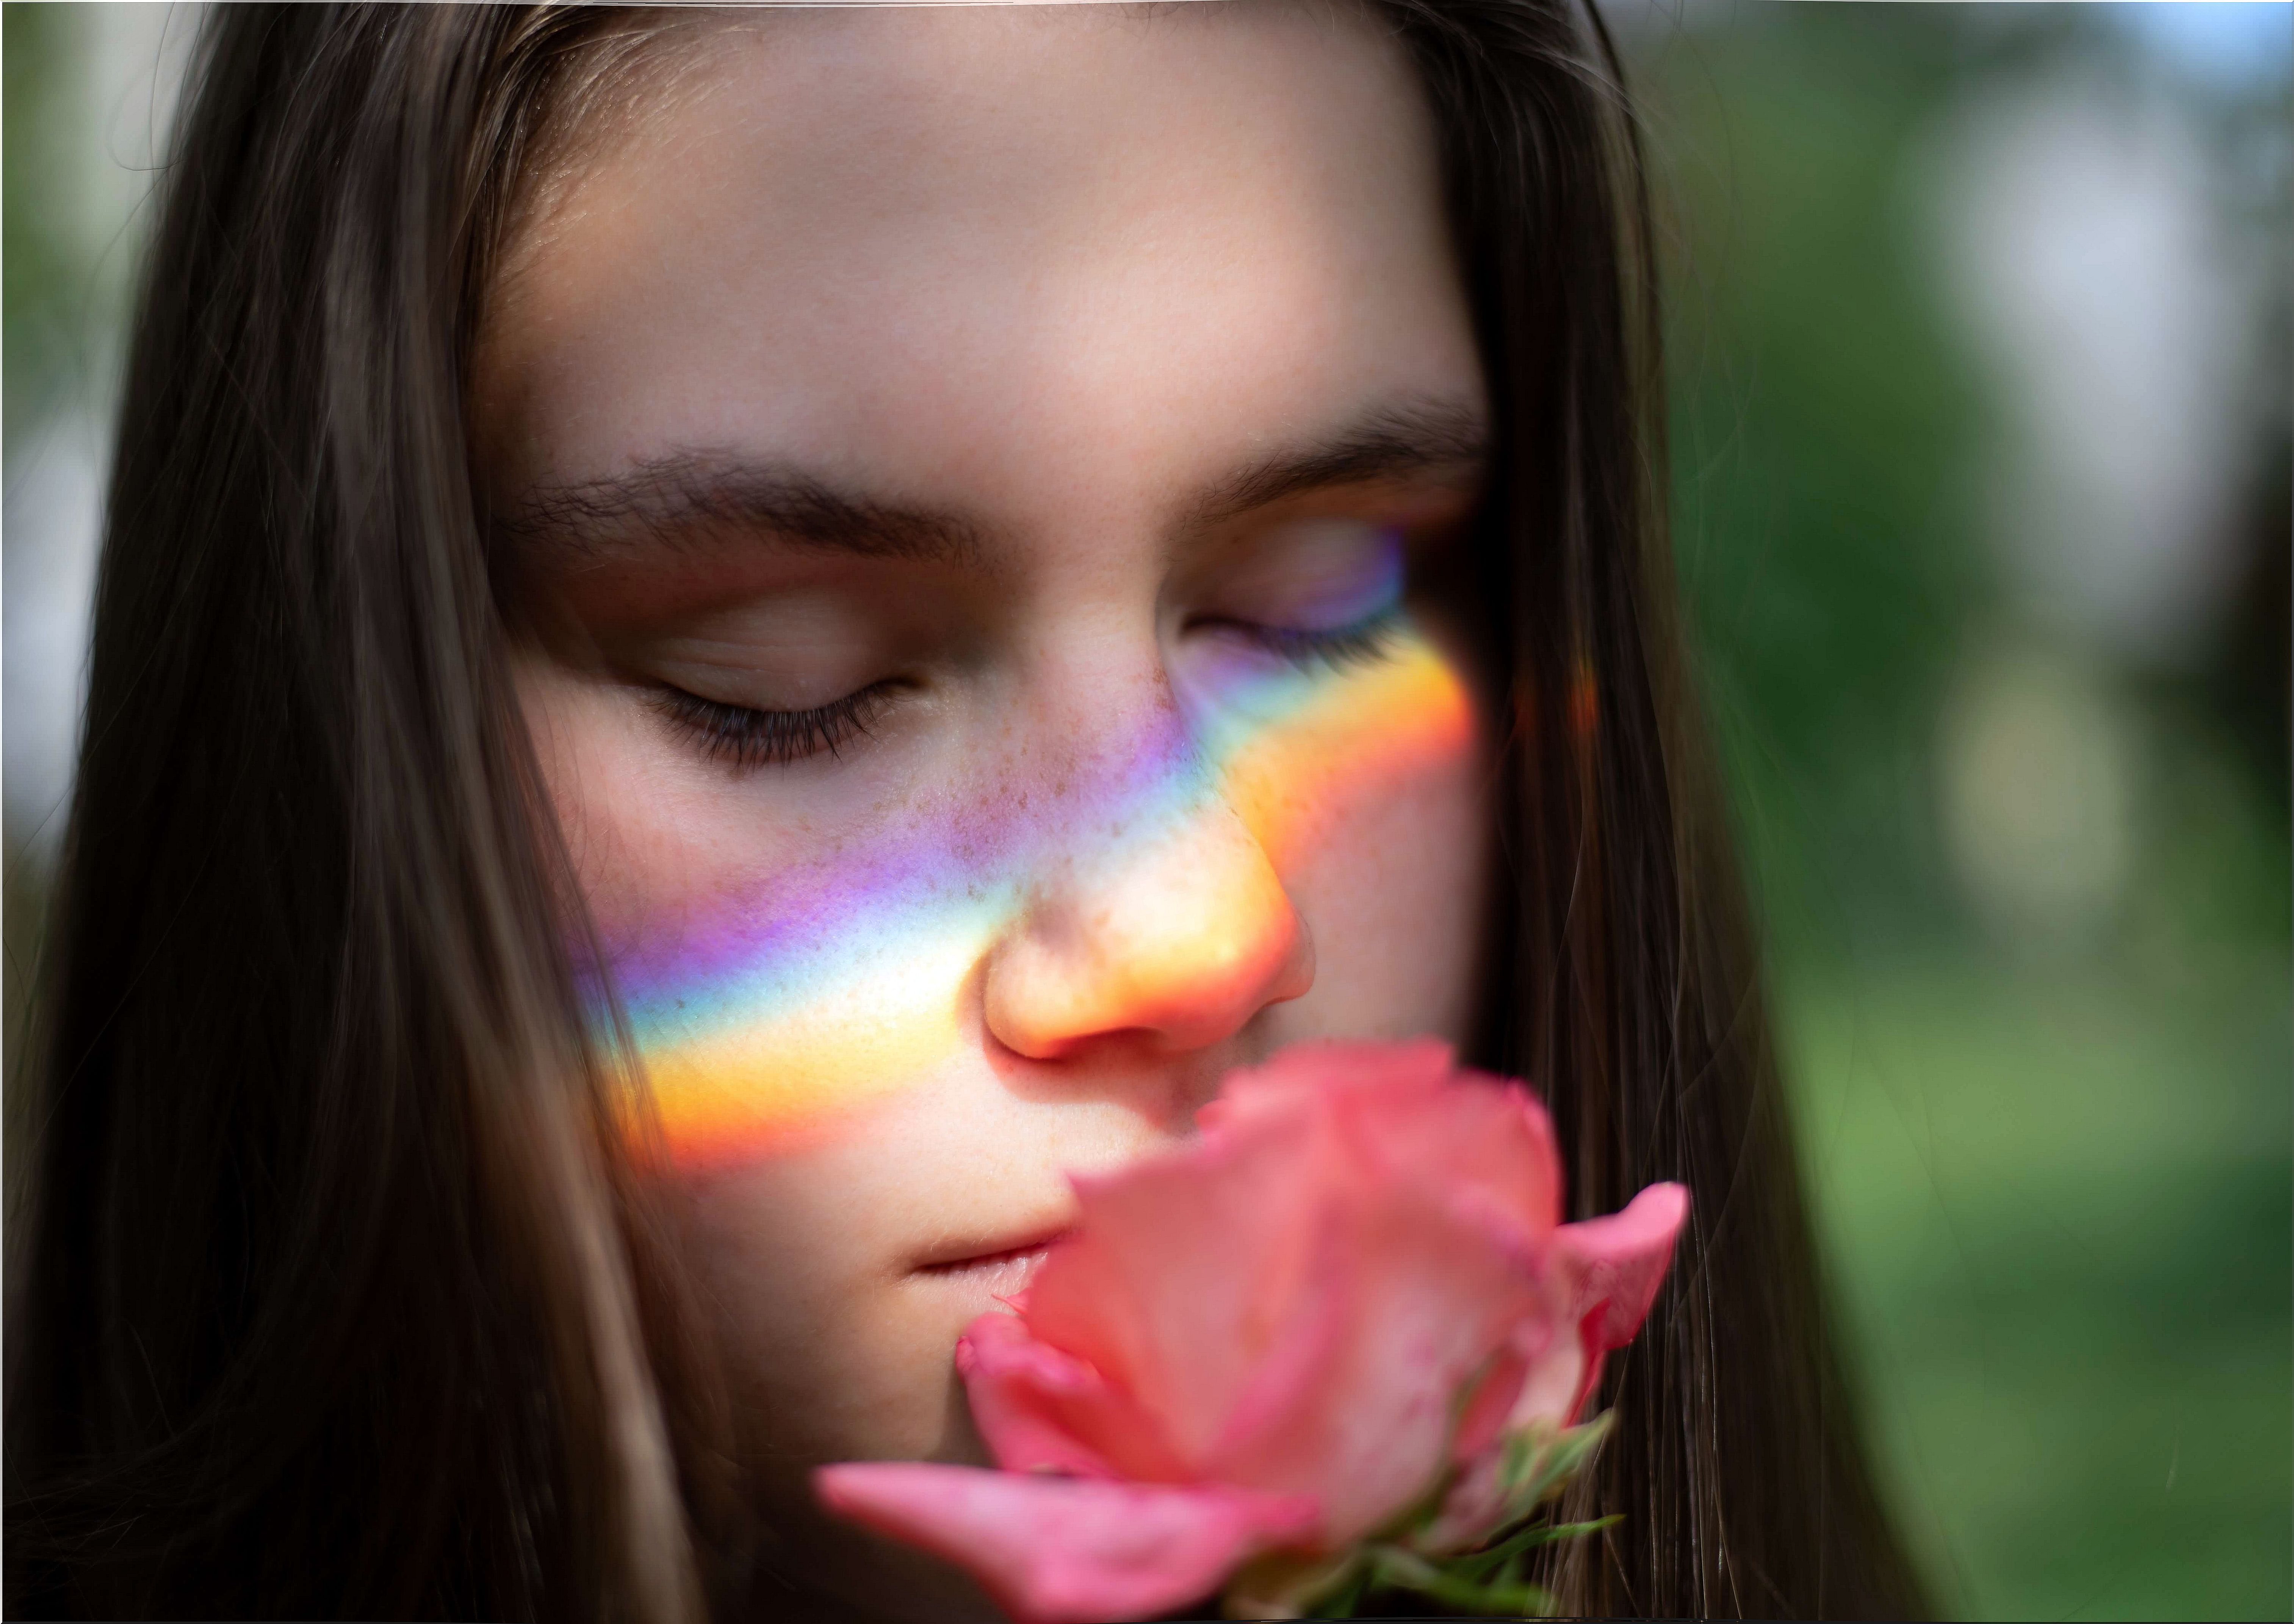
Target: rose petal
x,y
1488,1143
1320,1067
1054,1550
1043,1410
1561,1377
1490,1405
1475,1133
1187,1268
1620,1262
1623,1258
1413,1304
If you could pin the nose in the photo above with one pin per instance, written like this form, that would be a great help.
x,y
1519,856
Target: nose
x,y
1174,940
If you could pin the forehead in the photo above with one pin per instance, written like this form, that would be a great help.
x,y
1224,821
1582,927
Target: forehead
x,y
976,244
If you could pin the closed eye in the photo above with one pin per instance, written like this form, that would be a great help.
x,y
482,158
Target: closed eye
x,y
1333,648
745,737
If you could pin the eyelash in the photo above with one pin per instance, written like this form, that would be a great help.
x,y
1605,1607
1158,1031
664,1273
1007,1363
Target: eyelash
x,y
1363,643
745,737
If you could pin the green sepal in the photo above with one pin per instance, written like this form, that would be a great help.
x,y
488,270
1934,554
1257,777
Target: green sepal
x,y
1398,1569
1538,1462
1474,1565
1461,1584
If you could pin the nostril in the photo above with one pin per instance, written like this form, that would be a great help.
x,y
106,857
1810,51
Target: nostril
x,y
1123,1045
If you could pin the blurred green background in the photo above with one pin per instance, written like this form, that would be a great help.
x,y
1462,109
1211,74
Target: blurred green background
x,y
1981,349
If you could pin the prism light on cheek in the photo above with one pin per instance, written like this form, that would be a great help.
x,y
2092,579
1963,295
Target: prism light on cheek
x,y
810,998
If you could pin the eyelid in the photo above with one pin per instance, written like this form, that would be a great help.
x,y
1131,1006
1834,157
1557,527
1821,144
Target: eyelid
x,y
1360,642
747,737
1315,574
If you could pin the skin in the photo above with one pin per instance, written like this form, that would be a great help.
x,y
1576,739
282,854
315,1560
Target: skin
x,y
1062,277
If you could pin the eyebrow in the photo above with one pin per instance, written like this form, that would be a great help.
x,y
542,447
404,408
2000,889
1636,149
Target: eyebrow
x,y
1443,442
667,499
679,498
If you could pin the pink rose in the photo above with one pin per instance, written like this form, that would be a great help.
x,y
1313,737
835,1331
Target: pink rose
x,y
1330,1309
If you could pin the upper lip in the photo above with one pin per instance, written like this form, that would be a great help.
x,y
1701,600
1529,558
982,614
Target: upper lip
x,y
1010,1244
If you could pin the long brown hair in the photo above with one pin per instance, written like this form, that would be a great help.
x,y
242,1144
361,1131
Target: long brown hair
x,y
333,1299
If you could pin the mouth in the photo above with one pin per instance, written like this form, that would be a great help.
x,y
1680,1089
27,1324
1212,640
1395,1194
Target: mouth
x,y
1006,1265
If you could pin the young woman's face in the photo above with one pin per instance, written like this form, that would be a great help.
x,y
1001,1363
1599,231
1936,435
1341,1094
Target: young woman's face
x,y
967,471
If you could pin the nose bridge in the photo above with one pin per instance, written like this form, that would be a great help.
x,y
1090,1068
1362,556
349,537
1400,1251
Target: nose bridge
x,y
1152,911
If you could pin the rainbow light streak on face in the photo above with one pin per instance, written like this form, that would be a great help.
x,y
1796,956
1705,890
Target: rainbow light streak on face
x,y
836,985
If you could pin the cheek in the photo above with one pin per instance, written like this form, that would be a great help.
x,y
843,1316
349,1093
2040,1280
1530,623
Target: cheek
x,y
835,1360
1397,897
769,984
1376,812
640,843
